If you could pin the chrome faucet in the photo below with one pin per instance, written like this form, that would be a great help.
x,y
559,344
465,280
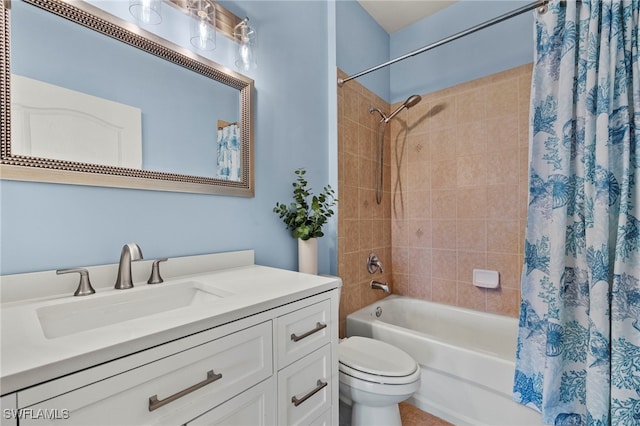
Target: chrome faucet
x,y
374,264
377,285
130,252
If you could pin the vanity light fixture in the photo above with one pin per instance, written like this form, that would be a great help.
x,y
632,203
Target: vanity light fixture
x,y
208,17
245,37
146,11
203,24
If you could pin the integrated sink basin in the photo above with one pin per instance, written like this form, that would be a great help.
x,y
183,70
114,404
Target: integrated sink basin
x,y
117,306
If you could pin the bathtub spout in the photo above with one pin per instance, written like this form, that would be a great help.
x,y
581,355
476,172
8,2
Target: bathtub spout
x,y
380,286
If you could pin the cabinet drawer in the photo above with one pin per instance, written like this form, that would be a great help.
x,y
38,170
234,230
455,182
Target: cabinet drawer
x,y
304,388
182,385
302,332
254,407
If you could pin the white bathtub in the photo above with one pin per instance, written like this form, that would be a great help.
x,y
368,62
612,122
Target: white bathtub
x,y
467,358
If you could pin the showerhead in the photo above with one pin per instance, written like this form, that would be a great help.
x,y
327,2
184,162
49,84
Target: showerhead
x,y
410,102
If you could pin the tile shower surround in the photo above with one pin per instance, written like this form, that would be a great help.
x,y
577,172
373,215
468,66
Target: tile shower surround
x,y
457,201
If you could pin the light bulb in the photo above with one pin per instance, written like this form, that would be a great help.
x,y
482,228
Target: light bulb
x,y
203,32
245,36
146,11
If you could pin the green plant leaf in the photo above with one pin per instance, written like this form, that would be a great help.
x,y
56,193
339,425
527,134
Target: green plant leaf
x,y
303,216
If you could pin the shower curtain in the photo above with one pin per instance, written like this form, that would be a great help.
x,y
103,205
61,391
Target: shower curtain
x,y
228,153
578,350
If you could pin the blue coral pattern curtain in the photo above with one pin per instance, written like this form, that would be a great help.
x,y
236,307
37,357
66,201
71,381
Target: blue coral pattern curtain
x,y
228,159
578,353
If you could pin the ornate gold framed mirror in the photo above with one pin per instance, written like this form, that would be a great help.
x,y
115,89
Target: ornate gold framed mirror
x,y
177,144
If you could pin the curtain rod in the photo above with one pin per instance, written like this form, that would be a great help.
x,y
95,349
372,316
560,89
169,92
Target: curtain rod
x,y
538,4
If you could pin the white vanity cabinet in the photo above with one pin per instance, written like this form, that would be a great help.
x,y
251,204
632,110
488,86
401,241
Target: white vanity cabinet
x,y
276,372
260,349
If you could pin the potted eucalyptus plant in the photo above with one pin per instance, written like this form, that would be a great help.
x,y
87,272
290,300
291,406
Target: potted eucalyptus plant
x,y
305,216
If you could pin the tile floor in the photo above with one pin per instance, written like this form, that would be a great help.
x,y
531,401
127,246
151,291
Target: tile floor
x,y
410,415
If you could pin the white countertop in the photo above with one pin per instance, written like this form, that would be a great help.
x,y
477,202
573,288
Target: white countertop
x,y
28,357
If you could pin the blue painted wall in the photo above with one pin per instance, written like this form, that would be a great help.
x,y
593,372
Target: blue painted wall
x,y
362,43
488,51
48,226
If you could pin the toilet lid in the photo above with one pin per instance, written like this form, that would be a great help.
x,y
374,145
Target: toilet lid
x,y
375,357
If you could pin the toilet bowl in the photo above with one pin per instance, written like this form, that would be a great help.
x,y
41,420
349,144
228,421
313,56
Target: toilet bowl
x,y
374,378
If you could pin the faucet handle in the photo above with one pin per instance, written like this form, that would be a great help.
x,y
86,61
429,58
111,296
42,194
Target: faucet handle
x,y
374,264
155,277
84,286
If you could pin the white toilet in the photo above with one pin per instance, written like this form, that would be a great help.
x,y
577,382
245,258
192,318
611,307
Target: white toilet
x,y
374,377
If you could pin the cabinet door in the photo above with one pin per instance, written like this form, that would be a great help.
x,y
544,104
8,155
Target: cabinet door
x,y
323,420
172,390
255,407
304,388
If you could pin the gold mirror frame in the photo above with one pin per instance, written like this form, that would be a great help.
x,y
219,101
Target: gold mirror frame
x,y
17,167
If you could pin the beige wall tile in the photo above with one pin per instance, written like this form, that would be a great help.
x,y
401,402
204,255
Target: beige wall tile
x,y
400,261
418,204
420,262
502,97
443,113
443,204
471,170
455,193
503,166
467,262
420,286
419,177
444,291
419,233
349,169
443,144
351,103
472,297
366,173
471,235
444,175
472,138
504,301
471,203
503,132
471,105
366,142
503,236
418,148
508,266
444,264
350,136
443,234
502,201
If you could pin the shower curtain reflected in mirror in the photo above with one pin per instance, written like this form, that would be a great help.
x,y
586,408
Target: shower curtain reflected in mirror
x,y
228,152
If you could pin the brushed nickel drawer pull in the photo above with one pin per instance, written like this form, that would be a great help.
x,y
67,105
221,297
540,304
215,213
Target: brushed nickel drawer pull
x,y
319,386
319,326
154,403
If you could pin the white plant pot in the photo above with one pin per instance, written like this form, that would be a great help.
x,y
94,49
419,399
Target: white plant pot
x,y
308,256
